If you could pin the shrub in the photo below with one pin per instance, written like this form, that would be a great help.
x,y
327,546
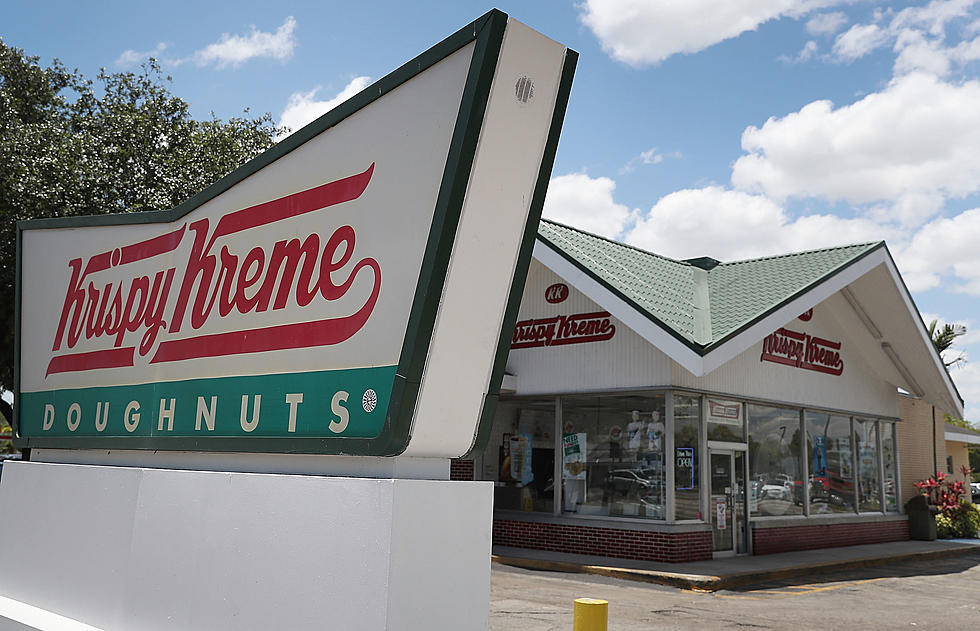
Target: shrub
x,y
958,518
962,522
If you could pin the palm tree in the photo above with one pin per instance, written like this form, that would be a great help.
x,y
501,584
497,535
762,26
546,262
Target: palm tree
x,y
943,338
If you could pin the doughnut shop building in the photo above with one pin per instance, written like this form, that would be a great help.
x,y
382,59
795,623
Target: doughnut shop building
x,y
667,410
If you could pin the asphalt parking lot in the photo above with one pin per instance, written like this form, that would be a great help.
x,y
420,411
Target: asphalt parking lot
x,y
934,594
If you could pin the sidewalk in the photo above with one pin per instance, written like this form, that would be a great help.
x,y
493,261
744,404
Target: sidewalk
x,y
738,571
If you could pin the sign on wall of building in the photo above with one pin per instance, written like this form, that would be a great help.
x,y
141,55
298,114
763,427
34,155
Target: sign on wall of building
x,y
802,350
319,299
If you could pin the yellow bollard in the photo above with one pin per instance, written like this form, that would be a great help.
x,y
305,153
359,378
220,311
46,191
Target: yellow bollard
x,y
591,614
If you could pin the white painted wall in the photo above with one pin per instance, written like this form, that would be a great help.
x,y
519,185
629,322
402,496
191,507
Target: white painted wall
x,y
123,548
860,388
625,361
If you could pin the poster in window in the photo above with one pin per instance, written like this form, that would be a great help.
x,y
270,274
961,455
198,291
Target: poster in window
x,y
724,412
515,458
721,513
866,457
819,456
520,458
574,454
844,457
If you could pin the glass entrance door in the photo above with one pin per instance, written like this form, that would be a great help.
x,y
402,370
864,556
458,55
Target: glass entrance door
x,y
728,524
721,501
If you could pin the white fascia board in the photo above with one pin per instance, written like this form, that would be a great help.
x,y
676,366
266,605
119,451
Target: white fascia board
x,y
758,331
619,308
956,437
954,396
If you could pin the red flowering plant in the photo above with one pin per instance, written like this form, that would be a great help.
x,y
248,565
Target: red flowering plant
x,y
958,517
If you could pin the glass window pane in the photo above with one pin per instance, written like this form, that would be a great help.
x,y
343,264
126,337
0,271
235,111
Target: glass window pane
x,y
888,455
829,457
776,487
687,459
725,422
613,455
520,455
869,488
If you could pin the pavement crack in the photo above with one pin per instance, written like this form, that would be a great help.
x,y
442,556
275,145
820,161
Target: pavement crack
x,y
671,612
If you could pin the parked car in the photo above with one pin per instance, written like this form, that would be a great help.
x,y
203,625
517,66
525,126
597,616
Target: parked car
x,y
975,492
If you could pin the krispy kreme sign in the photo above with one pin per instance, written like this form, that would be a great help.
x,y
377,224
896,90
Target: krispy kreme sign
x,y
314,300
130,317
802,350
247,322
561,330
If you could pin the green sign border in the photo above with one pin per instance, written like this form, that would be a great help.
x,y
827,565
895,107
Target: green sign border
x,y
487,33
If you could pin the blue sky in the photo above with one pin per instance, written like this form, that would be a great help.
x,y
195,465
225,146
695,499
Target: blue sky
x,y
728,129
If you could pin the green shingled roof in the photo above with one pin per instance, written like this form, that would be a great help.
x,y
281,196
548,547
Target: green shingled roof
x,y
702,302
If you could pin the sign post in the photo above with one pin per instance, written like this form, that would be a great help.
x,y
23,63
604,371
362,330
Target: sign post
x,y
342,304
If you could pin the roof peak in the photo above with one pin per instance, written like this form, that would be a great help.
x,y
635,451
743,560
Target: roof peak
x,y
708,263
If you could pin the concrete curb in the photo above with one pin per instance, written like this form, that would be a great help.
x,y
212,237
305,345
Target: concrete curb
x,y
710,583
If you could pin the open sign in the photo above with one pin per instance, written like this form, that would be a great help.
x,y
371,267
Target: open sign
x,y
684,468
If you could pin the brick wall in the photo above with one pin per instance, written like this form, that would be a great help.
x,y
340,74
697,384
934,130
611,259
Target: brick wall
x,y
607,542
915,436
461,470
812,537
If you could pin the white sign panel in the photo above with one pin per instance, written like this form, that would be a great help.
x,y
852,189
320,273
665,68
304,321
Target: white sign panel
x,y
301,304
724,412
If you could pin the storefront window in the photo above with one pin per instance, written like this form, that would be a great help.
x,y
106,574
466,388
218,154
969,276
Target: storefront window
x,y
613,460
869,476
888,457
776,486
830,462
725,421
687,459
520,456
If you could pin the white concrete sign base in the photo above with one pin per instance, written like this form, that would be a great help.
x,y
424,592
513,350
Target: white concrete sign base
x,y
123,548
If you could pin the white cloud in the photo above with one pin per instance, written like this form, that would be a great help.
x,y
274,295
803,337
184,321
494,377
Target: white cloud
x,y
732,225
917,33
932,17
650,156
966,376
912,145
641,32
945,247
587,203
916,52
808,52
130,58
826,23
303,108
234,50
859,40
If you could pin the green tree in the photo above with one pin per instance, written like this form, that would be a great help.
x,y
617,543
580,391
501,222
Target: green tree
x,y
943,338
122,143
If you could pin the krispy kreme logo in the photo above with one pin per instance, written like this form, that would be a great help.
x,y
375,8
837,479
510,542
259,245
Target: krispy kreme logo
x,y
792,348
156,315
559,330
